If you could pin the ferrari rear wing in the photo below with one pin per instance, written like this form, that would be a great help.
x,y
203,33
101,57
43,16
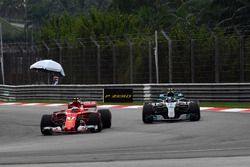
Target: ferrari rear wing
x,y
89,104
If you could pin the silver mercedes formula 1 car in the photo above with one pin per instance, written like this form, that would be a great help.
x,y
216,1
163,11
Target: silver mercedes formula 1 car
x,y
170,106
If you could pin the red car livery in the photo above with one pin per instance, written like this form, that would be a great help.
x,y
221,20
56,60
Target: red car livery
x,y
78,118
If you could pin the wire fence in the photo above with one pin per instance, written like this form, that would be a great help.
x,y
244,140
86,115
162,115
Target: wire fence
x,y
125,61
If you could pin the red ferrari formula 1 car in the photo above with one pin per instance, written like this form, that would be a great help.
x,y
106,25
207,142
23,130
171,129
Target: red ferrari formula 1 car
x,y
80,117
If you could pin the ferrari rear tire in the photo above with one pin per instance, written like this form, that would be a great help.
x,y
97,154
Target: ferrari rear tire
x,y
94,119
147,113
194,109
46,122
106,117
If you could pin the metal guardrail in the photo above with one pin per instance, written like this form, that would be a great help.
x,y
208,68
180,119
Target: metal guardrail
x,y
231,92
63,92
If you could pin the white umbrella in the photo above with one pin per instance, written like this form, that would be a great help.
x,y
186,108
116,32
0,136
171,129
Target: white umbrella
x,y
49,66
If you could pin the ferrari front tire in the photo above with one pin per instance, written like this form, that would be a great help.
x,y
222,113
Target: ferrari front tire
x,y
106,117
94,119
46,122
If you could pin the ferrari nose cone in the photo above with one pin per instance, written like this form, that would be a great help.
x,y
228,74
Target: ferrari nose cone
x,y
69,129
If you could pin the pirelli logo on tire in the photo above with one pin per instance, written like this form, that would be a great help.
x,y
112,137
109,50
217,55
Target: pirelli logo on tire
x,y
118,95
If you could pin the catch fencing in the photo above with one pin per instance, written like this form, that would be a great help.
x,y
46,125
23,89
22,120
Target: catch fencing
x,y
128,60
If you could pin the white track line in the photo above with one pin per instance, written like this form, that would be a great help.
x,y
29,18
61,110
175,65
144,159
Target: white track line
x,y
54,105
31,104
234,110
205,108
9,104
132,107
106,106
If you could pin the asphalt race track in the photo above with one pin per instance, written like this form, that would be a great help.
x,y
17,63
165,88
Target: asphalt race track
x,y
221,139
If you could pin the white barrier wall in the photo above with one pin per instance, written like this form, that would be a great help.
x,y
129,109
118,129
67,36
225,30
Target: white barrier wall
x,y
239,92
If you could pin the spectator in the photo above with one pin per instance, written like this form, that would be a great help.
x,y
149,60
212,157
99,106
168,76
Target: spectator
x,y
55,80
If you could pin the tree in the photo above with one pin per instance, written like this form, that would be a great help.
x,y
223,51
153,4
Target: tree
x,y
228,14
95,23
13,9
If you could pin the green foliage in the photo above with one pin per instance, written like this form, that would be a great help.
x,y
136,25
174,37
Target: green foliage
x,y
228,14
119,17
11,33
129,6
83,18
12,8
95,24
182,19
189,29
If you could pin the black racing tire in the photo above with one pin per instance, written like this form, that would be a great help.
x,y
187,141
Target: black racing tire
x,y
106,118
46,122
94,119
147,113
194,111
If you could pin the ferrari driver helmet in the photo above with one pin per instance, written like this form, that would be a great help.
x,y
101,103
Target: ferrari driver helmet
x,y
76,100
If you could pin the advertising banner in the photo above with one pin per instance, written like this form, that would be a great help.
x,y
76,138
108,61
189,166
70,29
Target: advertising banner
x,y
118,95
